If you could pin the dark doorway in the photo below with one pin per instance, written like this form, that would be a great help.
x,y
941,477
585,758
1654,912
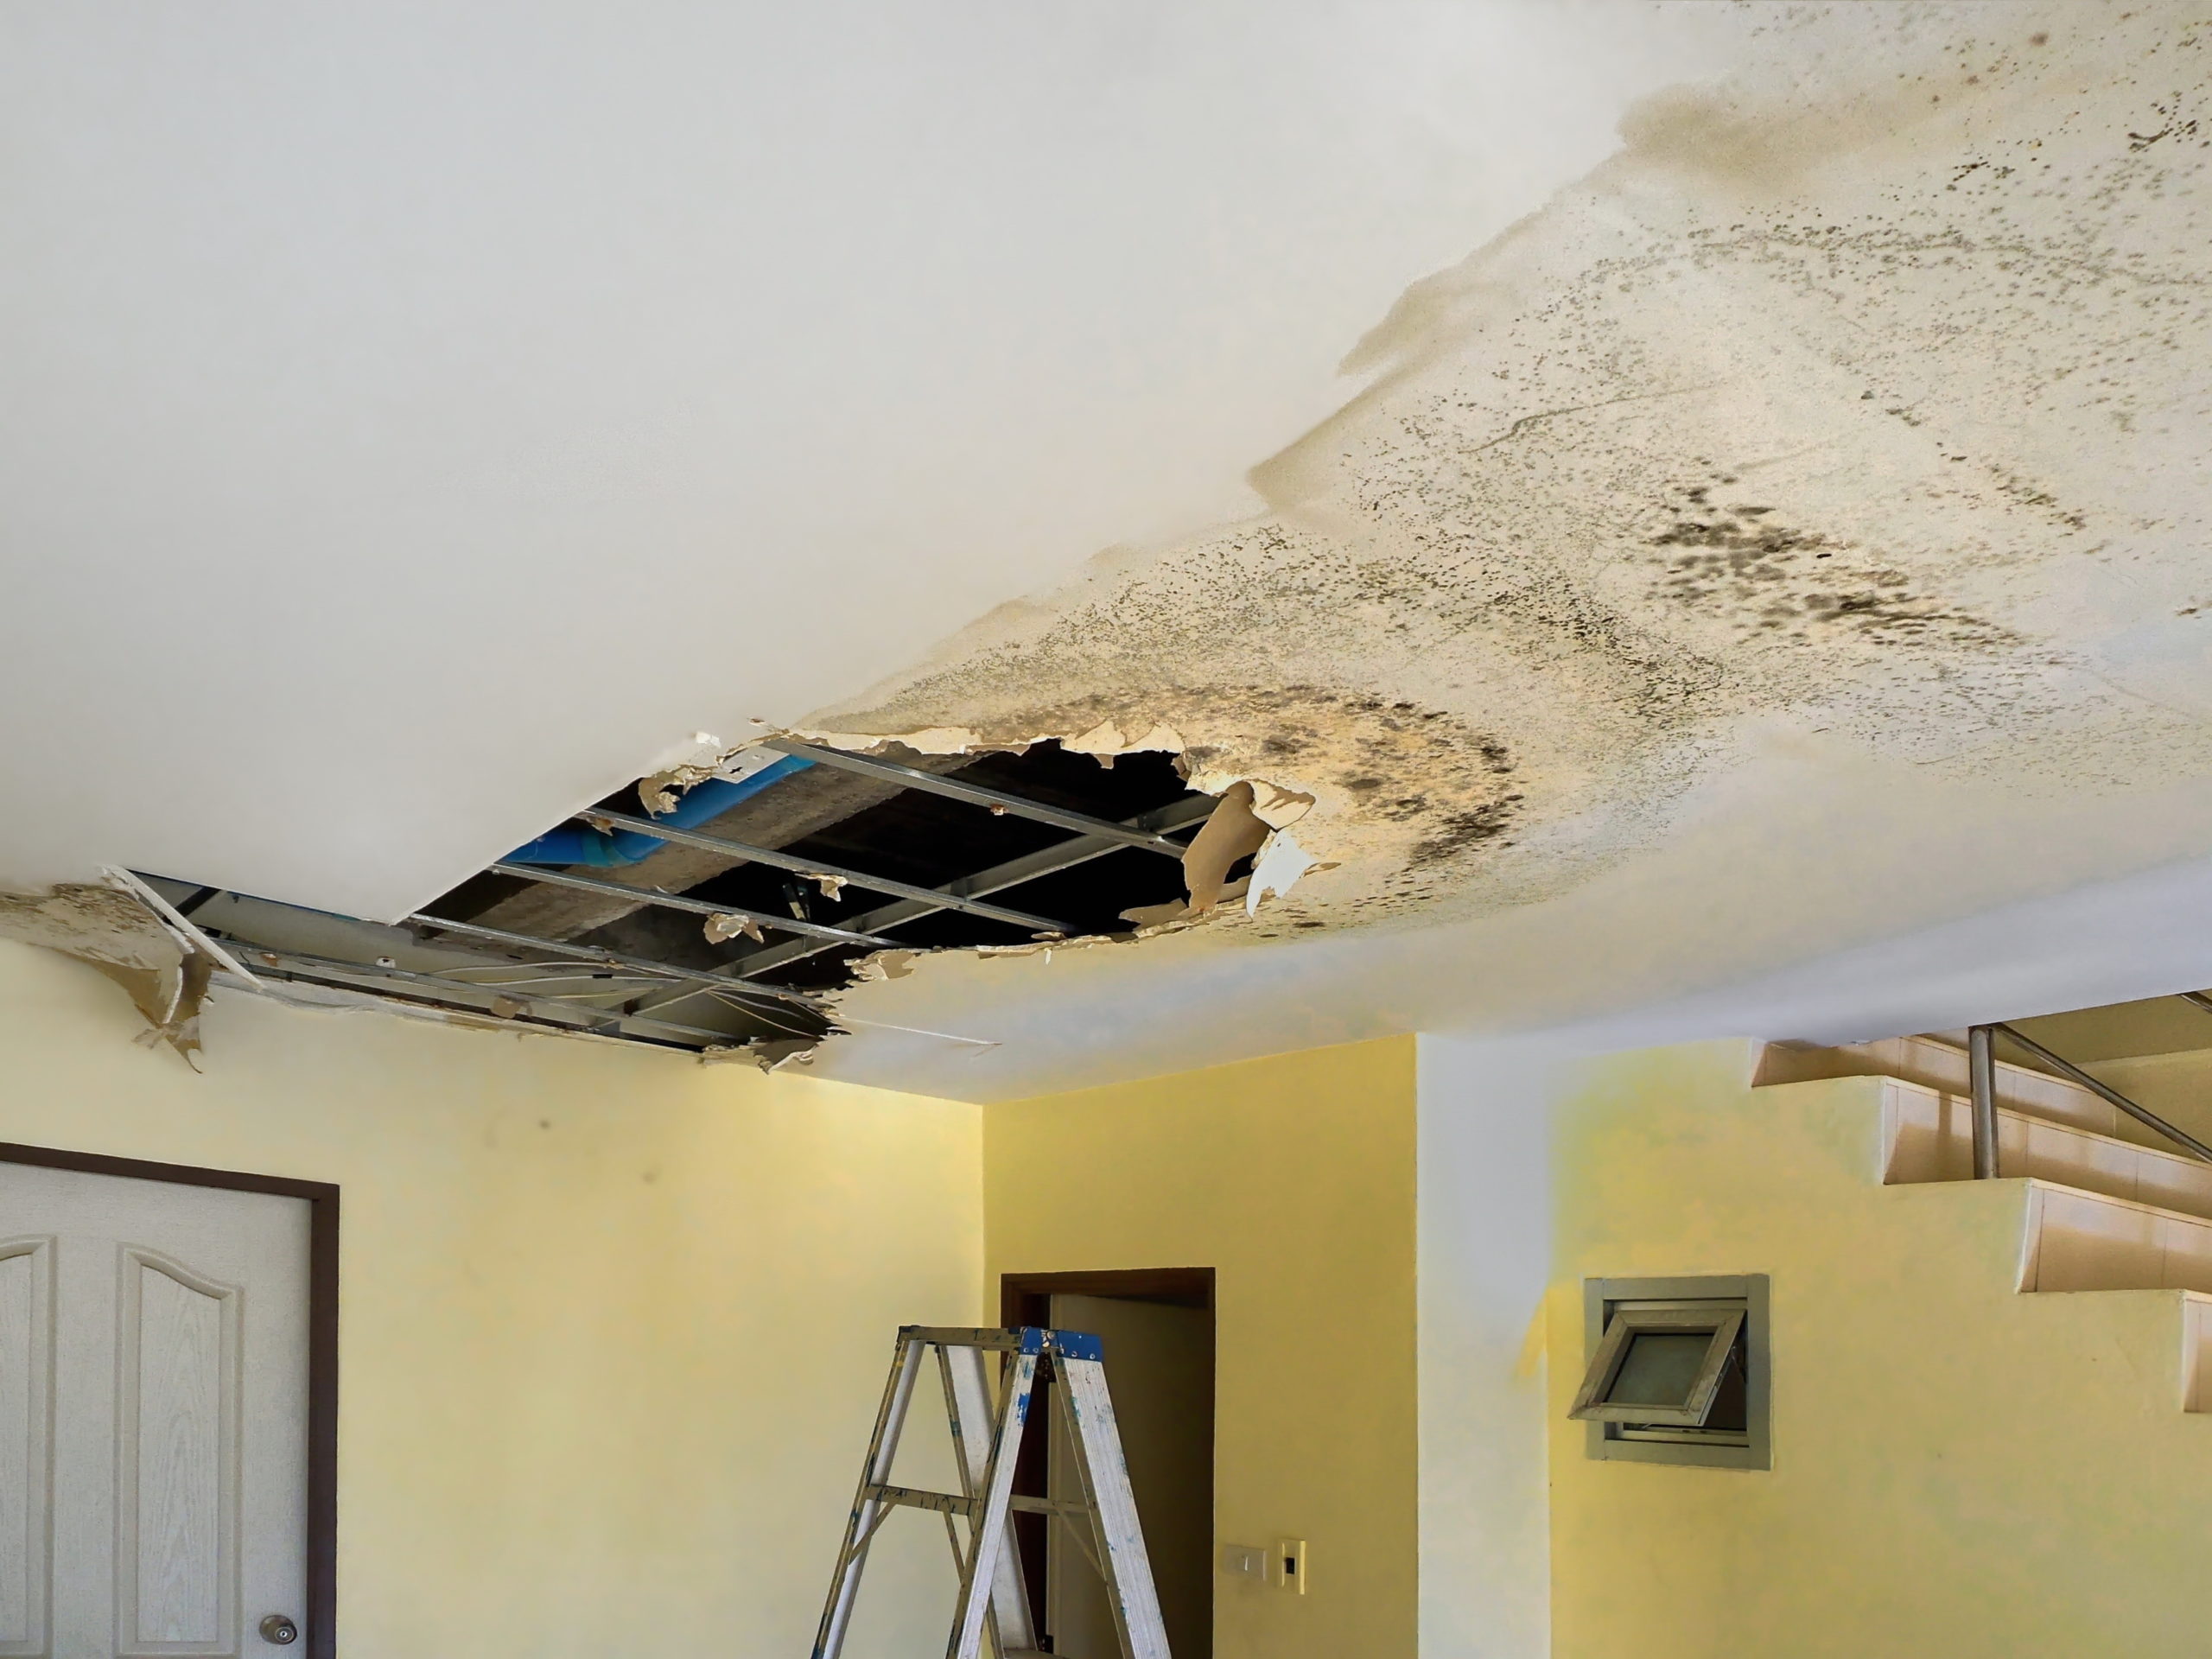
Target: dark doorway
x,y
1158,1327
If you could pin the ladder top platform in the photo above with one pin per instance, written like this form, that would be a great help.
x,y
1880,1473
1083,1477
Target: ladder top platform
x,y
1021,1339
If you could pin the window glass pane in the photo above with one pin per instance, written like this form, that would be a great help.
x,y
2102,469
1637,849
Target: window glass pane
x,y
1659,1368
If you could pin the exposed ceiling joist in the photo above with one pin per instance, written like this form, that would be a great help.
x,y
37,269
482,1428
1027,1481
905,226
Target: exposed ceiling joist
x,y
740,852
1049,860
678,901
997,800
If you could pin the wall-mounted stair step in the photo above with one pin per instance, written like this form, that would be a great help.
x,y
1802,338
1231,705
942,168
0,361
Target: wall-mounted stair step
x,y
1936,1064
2087,1241
2101,1215
1928,1135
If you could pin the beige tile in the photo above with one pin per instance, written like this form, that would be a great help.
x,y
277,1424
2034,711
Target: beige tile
x,y
2196,1356
2188,1254
2074,1159
1913,1118
1955,1137
2090,1243
2173,1183
2053,1099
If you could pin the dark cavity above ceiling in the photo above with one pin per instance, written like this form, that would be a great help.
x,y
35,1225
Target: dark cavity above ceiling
x,y
626,952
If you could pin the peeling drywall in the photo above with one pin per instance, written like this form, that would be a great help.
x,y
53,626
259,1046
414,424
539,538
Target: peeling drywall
x,y
116,934
1865,392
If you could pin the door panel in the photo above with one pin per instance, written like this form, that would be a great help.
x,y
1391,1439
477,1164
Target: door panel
x,y
1159,1371
26,1447
177,1469
177,1496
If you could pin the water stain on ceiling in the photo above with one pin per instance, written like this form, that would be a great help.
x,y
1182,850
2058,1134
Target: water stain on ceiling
x,y
1865,392
1860,396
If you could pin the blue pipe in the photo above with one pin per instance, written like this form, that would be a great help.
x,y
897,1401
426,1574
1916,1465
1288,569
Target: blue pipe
x,y
579,843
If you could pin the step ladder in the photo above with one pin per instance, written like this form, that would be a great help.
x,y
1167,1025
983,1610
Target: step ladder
x,y
994,1601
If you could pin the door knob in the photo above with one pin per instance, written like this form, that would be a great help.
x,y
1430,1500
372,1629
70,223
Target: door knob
x,y
279,1629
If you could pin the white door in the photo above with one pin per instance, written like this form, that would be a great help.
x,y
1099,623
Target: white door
x,y
153,1416
1160,1370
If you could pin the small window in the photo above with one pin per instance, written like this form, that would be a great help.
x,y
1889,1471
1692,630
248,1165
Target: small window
x,y
1677,1370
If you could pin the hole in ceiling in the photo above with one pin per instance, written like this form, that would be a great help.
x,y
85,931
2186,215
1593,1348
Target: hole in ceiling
x,y
721,922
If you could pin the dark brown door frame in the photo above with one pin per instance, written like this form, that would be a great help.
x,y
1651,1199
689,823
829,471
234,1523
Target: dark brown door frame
x,y
318,1620
1026,1299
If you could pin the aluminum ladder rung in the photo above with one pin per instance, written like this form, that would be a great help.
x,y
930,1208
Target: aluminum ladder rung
x,y
948,1504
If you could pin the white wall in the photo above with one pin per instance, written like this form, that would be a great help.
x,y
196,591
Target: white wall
x,y
1485,1249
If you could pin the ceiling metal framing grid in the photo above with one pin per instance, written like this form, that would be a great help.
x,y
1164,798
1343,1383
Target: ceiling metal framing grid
x,y
645,988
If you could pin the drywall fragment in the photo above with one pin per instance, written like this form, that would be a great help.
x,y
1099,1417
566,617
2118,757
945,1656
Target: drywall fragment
x,y
171,1003
1104,740
181,927
1232,831
507,1007
1157,915
1148,917
831,885
1280,865
118,935
720,928
886,964
92,922
660,790
1277,807
934,740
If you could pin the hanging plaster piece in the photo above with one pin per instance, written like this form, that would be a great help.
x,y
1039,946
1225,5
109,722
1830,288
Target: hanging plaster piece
x,y
933,739
1281,862
189,937
886,964
1145,916
1230,833
1104,740
832,886
1149,919
720,928
1277,807
117,933
172,1009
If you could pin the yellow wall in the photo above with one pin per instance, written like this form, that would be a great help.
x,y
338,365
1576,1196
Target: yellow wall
x,y
1293,1178
1959,1469
2177,1086
614,1325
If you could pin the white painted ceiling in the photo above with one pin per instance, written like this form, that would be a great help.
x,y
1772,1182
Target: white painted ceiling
x,y
418,420
415,423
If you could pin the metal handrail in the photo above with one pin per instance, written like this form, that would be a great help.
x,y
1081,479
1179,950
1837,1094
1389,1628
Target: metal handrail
x,y
1981,1071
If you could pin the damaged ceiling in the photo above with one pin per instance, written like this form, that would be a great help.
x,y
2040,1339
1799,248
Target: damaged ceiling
x,y
1784,541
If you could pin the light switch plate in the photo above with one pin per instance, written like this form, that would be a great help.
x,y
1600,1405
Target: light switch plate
x,y
1292,1570
1246,1561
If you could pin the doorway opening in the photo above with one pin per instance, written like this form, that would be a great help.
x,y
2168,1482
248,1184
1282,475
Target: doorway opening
x,y
1157,1324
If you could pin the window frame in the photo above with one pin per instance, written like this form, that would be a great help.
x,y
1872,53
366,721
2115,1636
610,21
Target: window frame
x,y
1721,1322
1658,1435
